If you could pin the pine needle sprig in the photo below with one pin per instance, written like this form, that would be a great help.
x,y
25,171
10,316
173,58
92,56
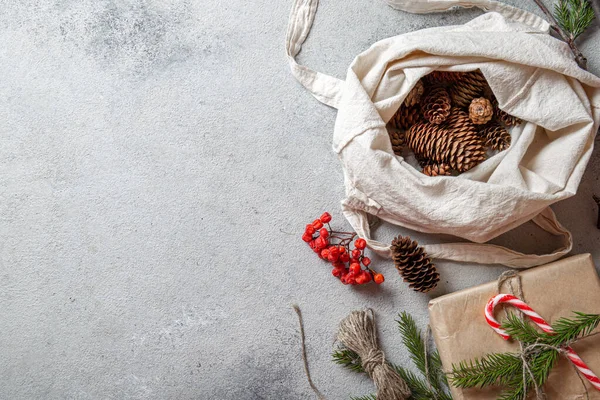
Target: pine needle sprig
x,y
493,369
574,16
522,331
348,359
412,340
541,352
367,397
569,329
420,387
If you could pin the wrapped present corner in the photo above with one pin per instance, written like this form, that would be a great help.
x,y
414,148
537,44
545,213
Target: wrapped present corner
x,y
554,290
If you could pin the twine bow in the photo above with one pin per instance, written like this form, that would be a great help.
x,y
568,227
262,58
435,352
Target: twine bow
x,y
357,332
519,302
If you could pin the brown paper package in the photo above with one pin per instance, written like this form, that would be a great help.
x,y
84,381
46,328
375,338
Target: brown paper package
x,y
553,290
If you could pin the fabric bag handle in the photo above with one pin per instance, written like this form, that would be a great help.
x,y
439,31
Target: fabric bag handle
x,y
480,253
328,89
513,13
325,88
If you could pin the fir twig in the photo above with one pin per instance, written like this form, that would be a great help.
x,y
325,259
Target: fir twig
x,y
367,397
541,351
576,17
493,369
412,340
568,330
348,359
420,389
521,330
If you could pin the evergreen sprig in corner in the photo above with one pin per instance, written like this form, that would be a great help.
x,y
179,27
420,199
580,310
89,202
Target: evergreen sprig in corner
x,y
431,383
570,19
526,372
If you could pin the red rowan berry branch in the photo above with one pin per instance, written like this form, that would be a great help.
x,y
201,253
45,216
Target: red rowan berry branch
x,y
334,247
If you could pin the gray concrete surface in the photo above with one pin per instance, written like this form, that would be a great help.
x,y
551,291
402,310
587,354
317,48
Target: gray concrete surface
x,y
157,165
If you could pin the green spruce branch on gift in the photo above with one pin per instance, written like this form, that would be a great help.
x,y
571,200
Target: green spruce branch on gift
x,y
518,373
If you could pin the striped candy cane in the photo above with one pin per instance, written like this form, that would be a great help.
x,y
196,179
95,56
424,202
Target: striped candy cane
x,y
539,321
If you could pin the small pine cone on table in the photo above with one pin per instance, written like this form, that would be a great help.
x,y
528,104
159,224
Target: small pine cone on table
x,y
414,96
495,136
470,86
406,117
481,111
413,264
436,105
503,116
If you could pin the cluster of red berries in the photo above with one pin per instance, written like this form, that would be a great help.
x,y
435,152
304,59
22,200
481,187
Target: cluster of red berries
x,y
334,247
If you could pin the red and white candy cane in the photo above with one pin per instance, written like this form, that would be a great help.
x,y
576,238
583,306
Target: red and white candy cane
x,y
539,321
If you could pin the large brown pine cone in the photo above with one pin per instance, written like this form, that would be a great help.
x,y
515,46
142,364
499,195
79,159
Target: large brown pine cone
x,y
397,139
414,265
455,143
443,77
406,117
470,86
495,136
436,105
503,116
414,96
437,169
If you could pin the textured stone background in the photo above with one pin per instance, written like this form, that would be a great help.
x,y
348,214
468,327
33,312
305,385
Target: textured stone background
x,y
157,164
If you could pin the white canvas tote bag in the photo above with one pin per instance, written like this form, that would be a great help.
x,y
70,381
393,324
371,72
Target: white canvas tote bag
x,y
532,75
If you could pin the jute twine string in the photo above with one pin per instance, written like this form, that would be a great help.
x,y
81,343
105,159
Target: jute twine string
x,y
526,352
304,358
508,276
358,333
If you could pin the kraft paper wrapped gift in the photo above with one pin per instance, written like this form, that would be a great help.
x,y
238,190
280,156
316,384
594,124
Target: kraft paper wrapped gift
x,y
554,290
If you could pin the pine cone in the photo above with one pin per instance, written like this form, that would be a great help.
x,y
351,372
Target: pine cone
x,y
495,136
437,169
481,111
414,96
503,116
436,105
413,264
470,86
443,77
406,117
398,141
455,143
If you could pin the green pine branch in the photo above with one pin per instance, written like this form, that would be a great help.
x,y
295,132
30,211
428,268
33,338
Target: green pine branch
x,y
497,368
568,330
522,331
412,340
573,16
367,397
411,337
541,354
569,20
347,359
418,387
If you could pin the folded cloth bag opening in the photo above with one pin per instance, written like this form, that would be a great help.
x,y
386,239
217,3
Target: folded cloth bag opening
x,y
533,77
